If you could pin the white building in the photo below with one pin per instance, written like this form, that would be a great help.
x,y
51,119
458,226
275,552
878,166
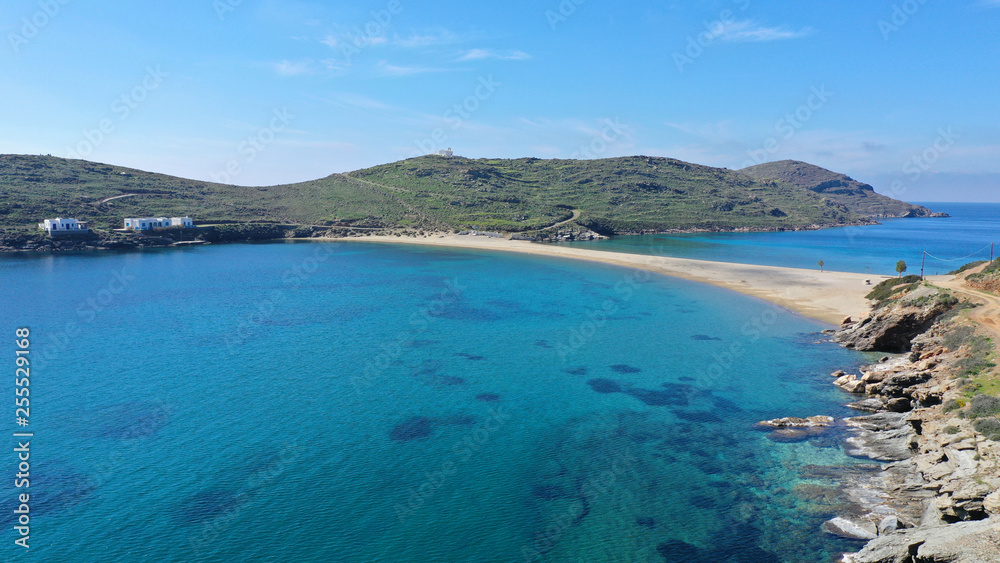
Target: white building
x,y
446,152
147,223
63,226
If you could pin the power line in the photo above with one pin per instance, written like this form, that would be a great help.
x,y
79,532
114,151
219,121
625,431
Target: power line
x,y
957,259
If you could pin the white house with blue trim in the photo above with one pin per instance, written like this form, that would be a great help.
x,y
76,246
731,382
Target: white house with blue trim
x,y
63,226
147,223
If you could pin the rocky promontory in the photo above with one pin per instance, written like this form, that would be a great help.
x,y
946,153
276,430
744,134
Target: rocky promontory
x,y
936,499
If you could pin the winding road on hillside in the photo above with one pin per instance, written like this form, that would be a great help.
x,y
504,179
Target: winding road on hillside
x,y
986,316
576,215
107,199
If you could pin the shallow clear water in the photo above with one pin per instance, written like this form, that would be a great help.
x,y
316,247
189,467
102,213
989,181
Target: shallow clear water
x,y
950,243
352,402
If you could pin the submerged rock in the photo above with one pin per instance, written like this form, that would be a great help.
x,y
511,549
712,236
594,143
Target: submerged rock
x,y
412,428
796,422
601,385
853,530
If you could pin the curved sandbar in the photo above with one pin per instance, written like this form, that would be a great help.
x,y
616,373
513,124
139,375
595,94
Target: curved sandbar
x,y
825,296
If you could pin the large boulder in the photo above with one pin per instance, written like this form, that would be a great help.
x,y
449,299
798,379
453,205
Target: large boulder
x,y
964,542
892,328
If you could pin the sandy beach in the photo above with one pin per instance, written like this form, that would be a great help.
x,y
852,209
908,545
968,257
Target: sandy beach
x,y
824,296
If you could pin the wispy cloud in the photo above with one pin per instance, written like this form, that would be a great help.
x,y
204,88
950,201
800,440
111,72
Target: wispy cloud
x,y
477,54
387,69
747,31
345,38
440,37
360,102
293,68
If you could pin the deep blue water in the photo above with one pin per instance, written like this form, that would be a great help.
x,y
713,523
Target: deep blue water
x,y
950,242
353,402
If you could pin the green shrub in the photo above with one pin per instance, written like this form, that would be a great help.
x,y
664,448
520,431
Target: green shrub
x,y
993,267
983,406
989,427
951,429
888,287
968,266
953,405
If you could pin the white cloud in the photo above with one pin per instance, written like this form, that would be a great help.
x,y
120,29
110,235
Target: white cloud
x,y
748,31
387,69
293,68
477,54
442,37
361,102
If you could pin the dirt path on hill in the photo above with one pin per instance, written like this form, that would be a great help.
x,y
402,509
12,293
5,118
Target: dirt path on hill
x,y
576,215
987,316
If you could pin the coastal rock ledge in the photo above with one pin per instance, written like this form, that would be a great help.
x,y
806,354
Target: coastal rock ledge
x,y
938,497
963,542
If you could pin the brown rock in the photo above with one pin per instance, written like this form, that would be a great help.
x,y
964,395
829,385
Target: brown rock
x,y
899,404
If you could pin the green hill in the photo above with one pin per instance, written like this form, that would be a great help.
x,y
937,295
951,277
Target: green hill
x,y
841,188
616,195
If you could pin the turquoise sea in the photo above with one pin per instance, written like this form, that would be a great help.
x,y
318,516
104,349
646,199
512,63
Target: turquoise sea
x,y
361,402
949,243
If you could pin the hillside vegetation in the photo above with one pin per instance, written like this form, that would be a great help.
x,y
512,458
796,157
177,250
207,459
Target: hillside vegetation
x,y
839,188
616,195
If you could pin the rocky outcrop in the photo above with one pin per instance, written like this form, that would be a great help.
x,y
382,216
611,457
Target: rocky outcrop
x,y
893,328
966,542
941,486
795,429
882,437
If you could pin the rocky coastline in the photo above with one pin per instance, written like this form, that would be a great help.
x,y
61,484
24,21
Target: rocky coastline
x,y
934,497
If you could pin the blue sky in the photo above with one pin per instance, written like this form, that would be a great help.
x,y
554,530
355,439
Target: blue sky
x,y
900,94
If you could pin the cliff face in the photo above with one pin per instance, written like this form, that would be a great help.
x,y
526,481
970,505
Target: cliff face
x,y
840,188
939,499
892,329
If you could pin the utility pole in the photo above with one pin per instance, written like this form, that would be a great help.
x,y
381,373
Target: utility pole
x,y
991,252
923,259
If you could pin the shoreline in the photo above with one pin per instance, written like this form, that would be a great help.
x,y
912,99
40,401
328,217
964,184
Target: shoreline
x,y
828,297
